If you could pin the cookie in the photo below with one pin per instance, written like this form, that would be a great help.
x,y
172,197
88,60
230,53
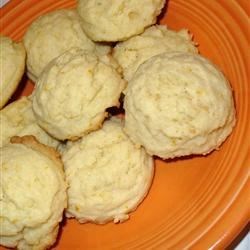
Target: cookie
x,y
179,104
12,62
17,119
73,93
51,35
33,194
113,20
108,175
155,40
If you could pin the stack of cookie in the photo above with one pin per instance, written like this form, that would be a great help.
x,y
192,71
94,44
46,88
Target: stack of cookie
x,y
61,149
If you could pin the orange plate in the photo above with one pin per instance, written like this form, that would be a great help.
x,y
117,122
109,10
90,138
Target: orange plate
x,y
195,202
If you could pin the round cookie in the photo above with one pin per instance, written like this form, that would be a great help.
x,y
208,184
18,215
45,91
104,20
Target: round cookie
x,y
179,104
108,175
18,118
52,34
12,62
33,194
113,20
154,40
74,91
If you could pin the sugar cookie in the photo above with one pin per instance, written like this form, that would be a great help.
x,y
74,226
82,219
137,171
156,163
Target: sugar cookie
x,y
179,104
108,175
112,20
155,40
17,119
52,34
74,91
12,62
33,194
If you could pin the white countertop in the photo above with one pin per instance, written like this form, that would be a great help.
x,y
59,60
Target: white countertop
x,y
245,242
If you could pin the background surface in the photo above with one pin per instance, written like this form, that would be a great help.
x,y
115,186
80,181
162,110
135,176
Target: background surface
x,y
244,243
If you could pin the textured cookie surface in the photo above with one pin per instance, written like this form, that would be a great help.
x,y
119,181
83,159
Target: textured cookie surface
x,y
73,92
154,40
51,35
33,194
18,119
12,63
179,104
113,20
108,175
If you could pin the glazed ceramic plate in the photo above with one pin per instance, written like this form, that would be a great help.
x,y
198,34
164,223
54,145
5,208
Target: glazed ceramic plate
x,y
195,202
